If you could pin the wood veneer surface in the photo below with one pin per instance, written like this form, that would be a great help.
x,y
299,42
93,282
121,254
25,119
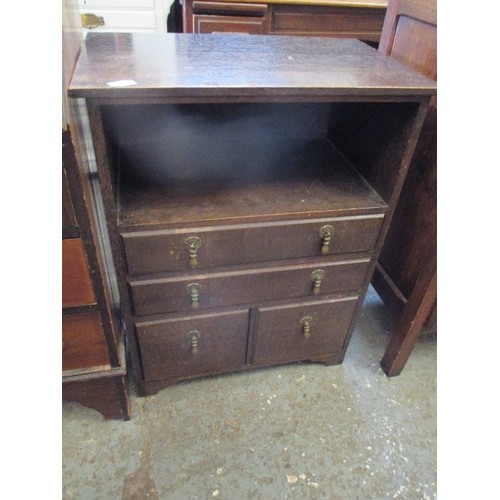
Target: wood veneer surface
x,y
204,66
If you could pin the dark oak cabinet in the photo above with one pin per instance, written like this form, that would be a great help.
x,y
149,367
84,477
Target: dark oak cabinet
x,y
247,185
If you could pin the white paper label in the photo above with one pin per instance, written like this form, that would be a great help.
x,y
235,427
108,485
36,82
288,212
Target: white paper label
x,y
122,83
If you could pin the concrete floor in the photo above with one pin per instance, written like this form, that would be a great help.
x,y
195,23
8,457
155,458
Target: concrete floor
x,y
302,431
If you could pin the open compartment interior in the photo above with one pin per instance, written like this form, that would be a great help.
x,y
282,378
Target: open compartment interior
x,y
178,163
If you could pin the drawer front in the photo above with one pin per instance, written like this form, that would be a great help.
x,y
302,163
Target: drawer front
x,y
176,250
83,341
76,285
229,9
301,331
203,291
229,24
193,345
365,24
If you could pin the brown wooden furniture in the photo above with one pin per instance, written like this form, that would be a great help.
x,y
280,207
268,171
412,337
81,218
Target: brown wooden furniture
x,y
406,272
93,360
362,19
248,184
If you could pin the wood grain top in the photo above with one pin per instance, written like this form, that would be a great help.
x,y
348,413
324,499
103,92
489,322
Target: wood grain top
x,y
192,66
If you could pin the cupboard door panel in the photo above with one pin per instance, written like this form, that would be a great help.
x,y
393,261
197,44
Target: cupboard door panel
x,y
76,285
301,331
193,345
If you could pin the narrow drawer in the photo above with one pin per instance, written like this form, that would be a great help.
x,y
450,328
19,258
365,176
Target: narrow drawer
x,y
193,345
83,341
205,247
76,285
208,25
230,9
248,286
301,331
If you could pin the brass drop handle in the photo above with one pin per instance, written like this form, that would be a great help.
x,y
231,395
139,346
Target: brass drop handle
x,y
193,337
325,233
193,244
193,290
306,326
317,277
91,21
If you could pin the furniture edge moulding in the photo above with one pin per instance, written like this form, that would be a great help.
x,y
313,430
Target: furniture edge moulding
x,y
106,185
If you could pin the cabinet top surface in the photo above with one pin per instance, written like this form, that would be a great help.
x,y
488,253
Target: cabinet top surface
x,y
192,66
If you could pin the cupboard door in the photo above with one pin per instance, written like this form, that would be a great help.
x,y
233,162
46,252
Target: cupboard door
x,y
248,286
300,331
175,348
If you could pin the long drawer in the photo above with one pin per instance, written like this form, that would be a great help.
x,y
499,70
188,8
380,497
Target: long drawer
x,y
195,345
246,286
205,247
301,330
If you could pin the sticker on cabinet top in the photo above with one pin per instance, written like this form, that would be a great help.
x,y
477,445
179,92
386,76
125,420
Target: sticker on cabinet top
x,y
122,83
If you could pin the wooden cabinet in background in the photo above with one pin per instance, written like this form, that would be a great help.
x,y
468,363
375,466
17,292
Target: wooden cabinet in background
x,y
93,359
406,272
347,19
247,191
93,354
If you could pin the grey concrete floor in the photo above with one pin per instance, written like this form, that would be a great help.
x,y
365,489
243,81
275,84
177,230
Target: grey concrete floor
x,y
301,431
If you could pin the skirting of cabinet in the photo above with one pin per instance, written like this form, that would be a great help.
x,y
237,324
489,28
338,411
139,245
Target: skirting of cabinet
x,y
106,392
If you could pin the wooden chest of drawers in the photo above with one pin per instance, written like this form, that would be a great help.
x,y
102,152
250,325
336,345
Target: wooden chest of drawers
x,y
346,18
248,183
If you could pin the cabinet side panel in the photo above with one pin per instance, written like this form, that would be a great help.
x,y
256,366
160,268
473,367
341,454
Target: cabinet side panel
x,y
84,345
76,285
375,138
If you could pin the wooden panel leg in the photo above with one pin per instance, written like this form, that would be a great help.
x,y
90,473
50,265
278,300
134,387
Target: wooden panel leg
x,y
411,322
